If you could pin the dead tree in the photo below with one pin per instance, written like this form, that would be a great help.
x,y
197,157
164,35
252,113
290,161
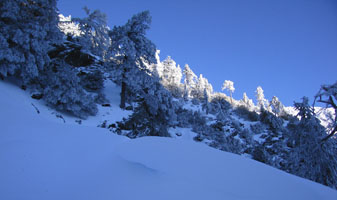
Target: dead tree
x,y
328,96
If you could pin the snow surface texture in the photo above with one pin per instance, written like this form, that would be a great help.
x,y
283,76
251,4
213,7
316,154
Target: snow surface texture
x,y
45,159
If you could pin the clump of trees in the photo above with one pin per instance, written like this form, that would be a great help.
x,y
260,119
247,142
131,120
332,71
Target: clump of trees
x,y
65,62
312,156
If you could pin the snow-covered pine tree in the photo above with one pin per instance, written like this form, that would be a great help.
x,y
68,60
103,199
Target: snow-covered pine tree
x,y
229,85
62,90
277,107
157,67
219,106
94,32
86,48
154,113
130,50
68,26
310,157
247,103
27,28
262,103
206,101
190,81
82,63
29,34
201,87
171,76
208,88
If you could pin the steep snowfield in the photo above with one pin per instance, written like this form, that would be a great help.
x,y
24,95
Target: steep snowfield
x,y
41,158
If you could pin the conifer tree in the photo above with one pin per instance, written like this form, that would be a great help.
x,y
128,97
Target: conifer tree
x,y
130,50
246,102
310,158
157,67
229,85
277,106
206,100
171,76
190,81
94,32
262,103
202,87
62,90
154,113
68,26
27,30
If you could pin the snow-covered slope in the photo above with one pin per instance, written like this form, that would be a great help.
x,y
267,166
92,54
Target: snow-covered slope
x,y
44,159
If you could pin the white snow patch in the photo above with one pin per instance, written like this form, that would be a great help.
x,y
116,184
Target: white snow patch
x,y
109,114
190,106
258,138
182,133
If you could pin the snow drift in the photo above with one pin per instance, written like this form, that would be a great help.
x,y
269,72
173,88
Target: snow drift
x,y
41,159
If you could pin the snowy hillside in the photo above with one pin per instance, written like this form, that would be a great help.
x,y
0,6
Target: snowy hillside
x,y
43,158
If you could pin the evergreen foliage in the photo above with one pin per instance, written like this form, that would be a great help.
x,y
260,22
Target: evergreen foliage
x,y
27,29
271,120
61,89
203,88
28,33
131,50
277,107
262,103
310,158
153,115
94,32
69,76
170,75
229,85
190,81
247,103
68,26
246,114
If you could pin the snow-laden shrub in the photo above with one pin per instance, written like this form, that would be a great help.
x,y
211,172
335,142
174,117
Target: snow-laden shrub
x,y
233,145
27,28
62,90
271,120
219,104
143,123
244,113
260,154
91,80
257,128
247,135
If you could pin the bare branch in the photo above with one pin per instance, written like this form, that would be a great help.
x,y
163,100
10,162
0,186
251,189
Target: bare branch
x,y
330,135
332,102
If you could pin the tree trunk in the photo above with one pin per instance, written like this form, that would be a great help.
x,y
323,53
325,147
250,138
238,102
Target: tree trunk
x,y
123,95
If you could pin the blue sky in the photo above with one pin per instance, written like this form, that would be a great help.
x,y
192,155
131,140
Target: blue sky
x,y
289,47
